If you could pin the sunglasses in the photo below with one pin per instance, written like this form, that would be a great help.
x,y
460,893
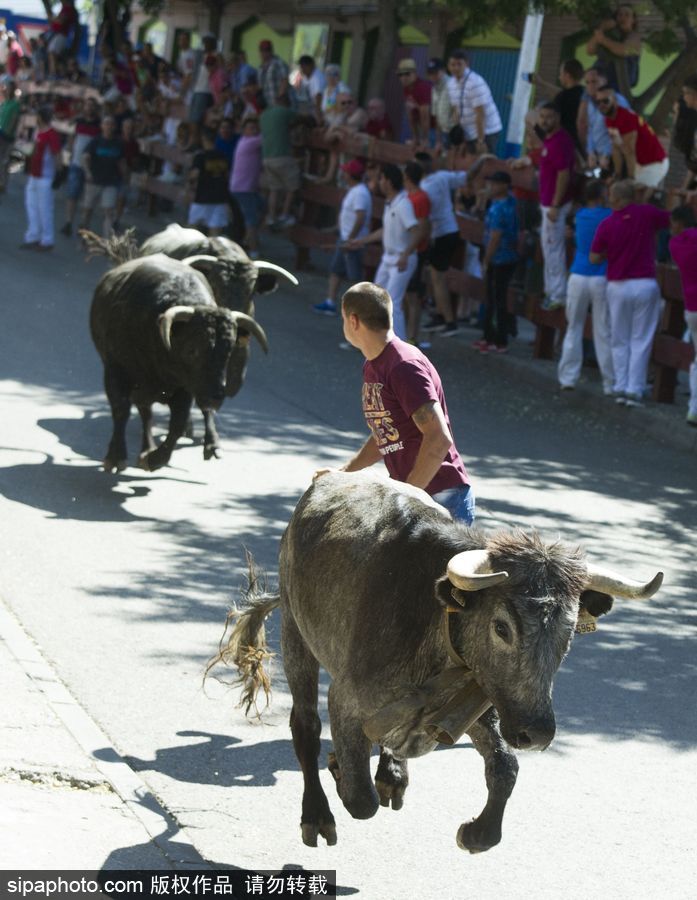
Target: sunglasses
x,y
403,74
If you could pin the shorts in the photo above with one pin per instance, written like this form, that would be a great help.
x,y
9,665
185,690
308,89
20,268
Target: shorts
x,y
212,215
282,173
199,106
653,174
347,264
57,43
76,182
252,207
442,249
104,194
416,282
459,502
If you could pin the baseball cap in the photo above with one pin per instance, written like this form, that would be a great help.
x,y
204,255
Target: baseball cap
x,y
354,168
500,177
406,65
435,64
265,45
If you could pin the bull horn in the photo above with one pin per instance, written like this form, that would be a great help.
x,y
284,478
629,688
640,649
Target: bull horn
x,y
608,582
199,257
272,267
471,571
251,325
169,317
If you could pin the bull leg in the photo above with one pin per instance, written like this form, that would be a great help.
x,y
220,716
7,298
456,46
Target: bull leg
x,y
179,407
501,771
302,673
211,443
118,391
351,765
147,444
391,779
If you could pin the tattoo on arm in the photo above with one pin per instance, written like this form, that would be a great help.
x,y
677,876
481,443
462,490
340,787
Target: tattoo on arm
x,y
425,414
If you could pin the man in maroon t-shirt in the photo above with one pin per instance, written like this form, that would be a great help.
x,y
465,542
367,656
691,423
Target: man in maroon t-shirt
x,y
417,99
404,406
635,145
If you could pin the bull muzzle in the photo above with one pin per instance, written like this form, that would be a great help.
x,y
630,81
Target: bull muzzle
x,y
533,734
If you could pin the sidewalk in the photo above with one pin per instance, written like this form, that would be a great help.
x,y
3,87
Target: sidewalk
x,y
67,799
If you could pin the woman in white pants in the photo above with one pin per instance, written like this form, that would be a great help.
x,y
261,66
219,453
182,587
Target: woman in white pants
x,y
38,192
587,287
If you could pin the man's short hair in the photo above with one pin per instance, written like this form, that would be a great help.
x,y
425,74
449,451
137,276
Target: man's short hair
x,y
370,303
414,172
208,134
459,54
685,215
306,60
594,190
45,114
573,69
550,106
393,174
424,159
623,190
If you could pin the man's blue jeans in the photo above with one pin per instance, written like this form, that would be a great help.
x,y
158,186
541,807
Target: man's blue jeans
x,y
459,502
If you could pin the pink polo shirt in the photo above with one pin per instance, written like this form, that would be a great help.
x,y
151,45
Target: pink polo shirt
x,y
683,249
628,239
558,154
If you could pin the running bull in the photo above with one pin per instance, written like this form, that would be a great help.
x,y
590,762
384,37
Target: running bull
x,y
163,338
369,570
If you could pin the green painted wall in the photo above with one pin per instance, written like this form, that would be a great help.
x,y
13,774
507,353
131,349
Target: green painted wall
x,y
282,43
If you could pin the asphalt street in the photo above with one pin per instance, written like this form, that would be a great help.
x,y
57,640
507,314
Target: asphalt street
x,y
124,582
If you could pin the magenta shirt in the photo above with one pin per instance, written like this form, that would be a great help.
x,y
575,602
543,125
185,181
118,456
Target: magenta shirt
x,y
246,165
395,385
628,239
558,153
683,249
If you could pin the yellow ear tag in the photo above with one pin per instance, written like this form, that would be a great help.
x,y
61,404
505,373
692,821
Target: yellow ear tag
x,y
585,624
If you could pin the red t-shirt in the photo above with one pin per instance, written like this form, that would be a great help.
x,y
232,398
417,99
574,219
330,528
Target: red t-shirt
x,y
419,93
47,141
683,249
422,210
395,384
558,153
379,128
648,147
65,19
628,239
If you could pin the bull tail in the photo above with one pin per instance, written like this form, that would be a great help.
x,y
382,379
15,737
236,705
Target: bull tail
x,y
119,248
243,644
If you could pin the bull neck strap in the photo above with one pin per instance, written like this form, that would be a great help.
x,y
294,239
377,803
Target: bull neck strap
x,y
452,652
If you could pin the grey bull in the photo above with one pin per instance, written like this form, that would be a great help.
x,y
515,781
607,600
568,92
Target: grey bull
x,y
367,570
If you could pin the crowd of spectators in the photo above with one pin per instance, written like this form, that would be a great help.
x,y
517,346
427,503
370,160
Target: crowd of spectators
x,y
237,135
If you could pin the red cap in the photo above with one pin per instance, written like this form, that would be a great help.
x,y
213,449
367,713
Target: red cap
x,y
354,168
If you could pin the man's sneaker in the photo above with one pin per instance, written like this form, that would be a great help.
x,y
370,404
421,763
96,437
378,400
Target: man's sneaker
x,y
549,305
633,400
620,398
286,221
67,229
449,329
691,419
325,308
478,345
435,323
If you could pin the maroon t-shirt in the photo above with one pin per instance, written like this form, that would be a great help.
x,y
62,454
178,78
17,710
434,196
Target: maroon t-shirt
x,y
558,153
395,385
419,93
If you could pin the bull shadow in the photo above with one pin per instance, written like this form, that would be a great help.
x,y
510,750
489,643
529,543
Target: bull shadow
x,y
223,760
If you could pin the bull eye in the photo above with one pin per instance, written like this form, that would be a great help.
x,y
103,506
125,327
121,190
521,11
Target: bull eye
x,y
502,630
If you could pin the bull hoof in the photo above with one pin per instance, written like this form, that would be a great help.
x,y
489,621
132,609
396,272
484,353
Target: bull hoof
x,y
390,794
310,832
114,465
151,460
211,451
475,838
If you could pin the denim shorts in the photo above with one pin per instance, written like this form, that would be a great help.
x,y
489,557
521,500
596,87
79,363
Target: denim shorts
x,y
459,502
75,182
252,206
347,264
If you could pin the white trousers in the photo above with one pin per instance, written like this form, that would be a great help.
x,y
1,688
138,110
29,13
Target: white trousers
x,y
634,306
691,319
583,291
553,240
395,283
38,201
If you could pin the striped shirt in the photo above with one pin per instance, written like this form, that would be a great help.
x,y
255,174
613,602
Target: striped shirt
x,y
466,95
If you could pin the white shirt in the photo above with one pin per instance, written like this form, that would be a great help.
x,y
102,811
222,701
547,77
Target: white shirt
x,y
308,88
186,62
202,83
357,199
398,217
466,95
439,187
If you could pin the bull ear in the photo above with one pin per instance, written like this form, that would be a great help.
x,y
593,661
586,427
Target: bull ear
x,y
447,595
596,603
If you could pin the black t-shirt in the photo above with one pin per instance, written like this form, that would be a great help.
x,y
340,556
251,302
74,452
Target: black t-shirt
x,y
213,173
568,102
104,154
